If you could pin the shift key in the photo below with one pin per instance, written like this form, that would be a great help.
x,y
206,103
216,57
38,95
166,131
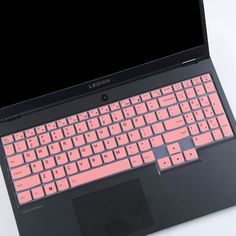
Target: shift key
x,y
176,135
27,183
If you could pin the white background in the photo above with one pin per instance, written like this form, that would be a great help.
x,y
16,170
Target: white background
x,y
221,24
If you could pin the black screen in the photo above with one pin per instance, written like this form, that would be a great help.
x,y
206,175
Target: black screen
x,y
45,55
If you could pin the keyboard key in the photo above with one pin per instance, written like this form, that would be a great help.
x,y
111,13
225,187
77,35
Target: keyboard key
x,y
141,108
185,107
174,123
206,78
110,143
61,159
204,101
148,157
125,103
117,116
134,135
7,139
114,129
187,83
157,141
146,132
49,163
174,110
26,183
210,87
24,197
199,115
144,145
213,123
37,166
15,161
208,112
224,123
91,137
104,133
69,131
217,134
139,121
164,163
176,135
167,90
152,105
120,153
135,100
93,123
114,106
9,150
55,148
40,129
42,152
30,156
45,138
162,114
194,129
57,135
156,93
83,164
190,93
122,139
50,188
177,159
93,112
105,119
104,109
196,80
173,148
66,144
203,126
19,136
167,100
158,128
83,116
81,127
20,146
58,172
191,154
150,118
189,118
96,160
194,104
86,151
136,161
177,87
127,125
181,96
132,149
98,147
37,193
108,157
46,176
78,140
72,168
200,90
51,126
202,139
129,112
62,184
62,122
216,104
20,172
72,119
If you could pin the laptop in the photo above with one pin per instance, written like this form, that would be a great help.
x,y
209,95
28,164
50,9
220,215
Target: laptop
x,y
124,130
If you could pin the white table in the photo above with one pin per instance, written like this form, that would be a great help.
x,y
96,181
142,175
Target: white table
x,y
221,22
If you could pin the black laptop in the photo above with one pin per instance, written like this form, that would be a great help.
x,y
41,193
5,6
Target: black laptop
x,y
117,125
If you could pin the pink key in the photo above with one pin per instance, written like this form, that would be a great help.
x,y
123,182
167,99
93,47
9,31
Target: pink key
x,y
162,114
213,123
59,172
45,138
93,123
177,86
62,184
30,156
129,112
134,136
216,104
189,118
42,152
206,78
91,137
7,139
93,112
204,101
194,129
98,147
157,141
104,109
138,121
69,131
15,161
37,192
108,157
73,155
167,100
197,80
86,151
72,119
199,115
190,93
148,157
61,159
146,132
99,172
144,145
208,112
141,108
136,161
191,154
81,127
173,148
158,128
181,96
104,133
225,126
117,116
115,106
174,110
105,119
96,160
40,129
203,139
37,166
49,163
185,107
62,122
19,136
110,143
127,125
55,148
177,159
194,104
200,90
20,146
24,197
167,90
78,140
46,176
156,93
135,100
9,150
71,168
83,116
26,183
20,172
217,134
114,129
145,96
187,83
125,103
57,135
164,163
210,87
50,188
152,105
120,153
132,149
176,135
203,126
150,118
174,123
51,126
83,164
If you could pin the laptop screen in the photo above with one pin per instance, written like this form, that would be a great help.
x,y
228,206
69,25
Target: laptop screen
x,y
48,56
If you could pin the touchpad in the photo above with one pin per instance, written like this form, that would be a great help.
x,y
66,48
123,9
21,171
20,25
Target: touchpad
x,y
114,211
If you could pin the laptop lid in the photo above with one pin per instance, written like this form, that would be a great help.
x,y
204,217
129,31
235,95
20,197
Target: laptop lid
x,y
50,61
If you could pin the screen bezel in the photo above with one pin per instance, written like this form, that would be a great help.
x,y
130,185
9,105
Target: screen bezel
x,y
124,76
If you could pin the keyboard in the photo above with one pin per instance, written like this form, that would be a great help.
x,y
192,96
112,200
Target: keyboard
x,y
165,126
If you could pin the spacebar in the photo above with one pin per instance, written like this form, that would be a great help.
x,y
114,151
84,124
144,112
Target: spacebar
x,y
100,172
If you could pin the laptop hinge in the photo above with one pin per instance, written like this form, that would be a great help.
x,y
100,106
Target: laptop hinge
x,y
10,118
191,61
